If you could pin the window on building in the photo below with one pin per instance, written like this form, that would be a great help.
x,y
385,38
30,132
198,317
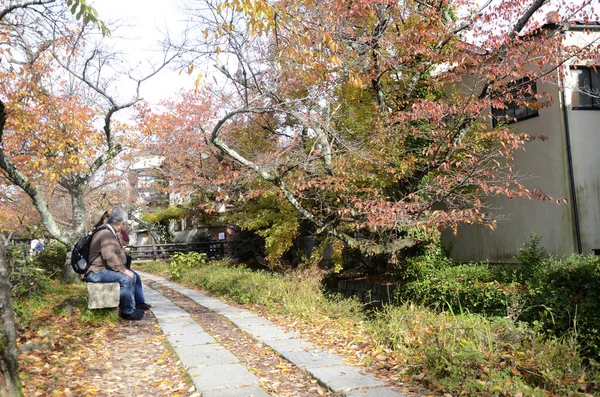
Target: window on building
x,y
587,93
513,112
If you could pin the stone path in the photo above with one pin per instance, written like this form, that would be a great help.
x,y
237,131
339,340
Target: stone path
x,y
218,373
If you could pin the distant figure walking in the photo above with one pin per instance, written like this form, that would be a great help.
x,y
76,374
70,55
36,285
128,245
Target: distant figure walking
x,y
32,244
41,245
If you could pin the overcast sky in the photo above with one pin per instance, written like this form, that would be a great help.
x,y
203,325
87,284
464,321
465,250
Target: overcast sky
x,y
143,24
147,21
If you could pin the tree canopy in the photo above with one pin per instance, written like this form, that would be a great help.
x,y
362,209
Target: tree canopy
x,y
370,118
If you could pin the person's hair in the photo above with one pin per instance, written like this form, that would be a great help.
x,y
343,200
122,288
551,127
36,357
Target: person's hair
x,y
117,216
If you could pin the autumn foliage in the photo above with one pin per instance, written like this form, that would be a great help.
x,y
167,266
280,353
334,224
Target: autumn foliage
x,y
371,118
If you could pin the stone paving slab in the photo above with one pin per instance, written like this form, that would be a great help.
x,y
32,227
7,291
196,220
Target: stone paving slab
x,y
179,288
183,321
209,304
179,326
244,314
234,379
202,299
207,301
154,297
227,376
249,391
341,378
314,359
189,339
205,355
267,332
248,321
228,311
169,311
374,392
290,345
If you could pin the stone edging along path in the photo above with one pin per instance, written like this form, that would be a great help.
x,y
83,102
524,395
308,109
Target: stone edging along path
x,y
218,373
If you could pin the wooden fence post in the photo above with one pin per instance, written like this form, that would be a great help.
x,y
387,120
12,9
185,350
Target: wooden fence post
x,y
154,253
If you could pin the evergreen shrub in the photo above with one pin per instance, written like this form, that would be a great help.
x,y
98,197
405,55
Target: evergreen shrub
x,y
567,301
52,259
463,289
26,278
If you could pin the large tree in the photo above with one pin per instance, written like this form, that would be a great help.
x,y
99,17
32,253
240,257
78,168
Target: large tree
x,y
59,93
15,26
372,118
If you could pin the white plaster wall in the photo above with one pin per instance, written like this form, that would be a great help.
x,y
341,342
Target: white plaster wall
x,y
546,162
585,143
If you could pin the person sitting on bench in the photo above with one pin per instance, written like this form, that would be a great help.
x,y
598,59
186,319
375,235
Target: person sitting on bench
x,y
99,218
108,264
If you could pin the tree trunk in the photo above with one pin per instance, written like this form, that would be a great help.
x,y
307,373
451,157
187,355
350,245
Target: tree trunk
x,y
77,193
68,275
10,384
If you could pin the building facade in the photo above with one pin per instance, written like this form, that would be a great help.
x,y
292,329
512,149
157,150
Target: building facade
x,y
564,165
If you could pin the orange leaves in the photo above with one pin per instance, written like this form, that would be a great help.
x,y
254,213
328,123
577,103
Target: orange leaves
x,y
355,80
48,133
68,356
368,116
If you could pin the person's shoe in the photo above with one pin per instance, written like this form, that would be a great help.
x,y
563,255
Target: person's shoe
x,y
143,306
136,315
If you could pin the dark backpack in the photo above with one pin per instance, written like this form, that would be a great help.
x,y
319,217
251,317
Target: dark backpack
x,y
80,256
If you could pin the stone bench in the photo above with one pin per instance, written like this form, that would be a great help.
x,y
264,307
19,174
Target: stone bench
x,y
103,295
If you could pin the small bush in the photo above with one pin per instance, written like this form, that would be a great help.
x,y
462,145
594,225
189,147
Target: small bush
x,y
567,300
181,261
25,277
532,260
421,266
463,289
52,259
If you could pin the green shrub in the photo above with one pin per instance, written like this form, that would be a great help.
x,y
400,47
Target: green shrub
x,y
474,355
464,288
25,277
532,261
567,300
421,266
181,261
52,259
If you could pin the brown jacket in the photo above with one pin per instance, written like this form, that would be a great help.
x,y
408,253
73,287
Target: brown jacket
x,y
106,252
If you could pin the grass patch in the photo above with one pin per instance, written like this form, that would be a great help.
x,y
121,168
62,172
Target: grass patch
x,y
469,353
466,354
297,293
59,300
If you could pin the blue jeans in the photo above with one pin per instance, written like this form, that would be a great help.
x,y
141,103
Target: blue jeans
x,y
127,301
138,291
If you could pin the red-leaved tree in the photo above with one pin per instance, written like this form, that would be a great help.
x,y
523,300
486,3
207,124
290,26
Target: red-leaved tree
x,y
372,119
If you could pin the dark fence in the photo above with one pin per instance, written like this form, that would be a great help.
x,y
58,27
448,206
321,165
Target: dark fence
x,y
212,249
